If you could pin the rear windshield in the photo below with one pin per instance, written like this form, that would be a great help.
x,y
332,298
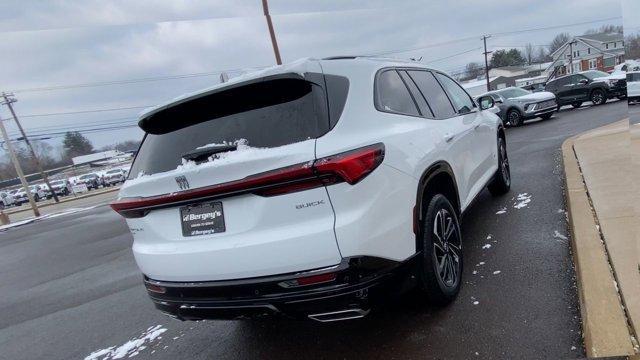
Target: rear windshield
x,y
593,74
87,176
513,92
113,171
266,114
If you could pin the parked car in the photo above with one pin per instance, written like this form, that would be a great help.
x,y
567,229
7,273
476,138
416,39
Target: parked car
x,y
633,86
92,180
61,187
48,193
517,105
593,85
312,189
114,176
627,66
6,200
36,192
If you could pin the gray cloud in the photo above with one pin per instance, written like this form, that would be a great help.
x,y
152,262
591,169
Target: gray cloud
x,y
70,42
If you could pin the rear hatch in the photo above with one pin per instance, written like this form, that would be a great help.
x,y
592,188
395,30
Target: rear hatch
x,y
202,211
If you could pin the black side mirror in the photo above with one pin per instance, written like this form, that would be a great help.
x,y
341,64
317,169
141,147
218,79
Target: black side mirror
x,y
486,102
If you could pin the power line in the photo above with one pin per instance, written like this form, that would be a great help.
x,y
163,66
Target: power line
x,y
554,27
452,55
133,81
88,111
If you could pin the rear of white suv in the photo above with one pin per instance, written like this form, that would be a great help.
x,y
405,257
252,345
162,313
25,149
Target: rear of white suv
x,y
306,189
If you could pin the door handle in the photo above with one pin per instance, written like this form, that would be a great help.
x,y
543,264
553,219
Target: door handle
x,y
449,137
477,126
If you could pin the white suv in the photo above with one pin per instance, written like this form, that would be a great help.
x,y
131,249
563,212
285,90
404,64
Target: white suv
x,y
311,189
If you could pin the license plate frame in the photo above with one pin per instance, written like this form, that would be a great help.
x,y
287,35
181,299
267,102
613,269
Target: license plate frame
x,y
202,219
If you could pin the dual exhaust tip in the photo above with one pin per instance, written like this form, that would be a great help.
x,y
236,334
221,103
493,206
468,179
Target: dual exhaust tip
x,y
340,315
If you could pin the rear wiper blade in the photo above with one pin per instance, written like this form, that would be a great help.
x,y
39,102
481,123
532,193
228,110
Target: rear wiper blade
x,y
200,154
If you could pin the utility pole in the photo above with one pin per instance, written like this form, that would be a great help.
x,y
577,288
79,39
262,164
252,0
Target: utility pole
x,y
16,164
276,51
486,60
570,57
8,100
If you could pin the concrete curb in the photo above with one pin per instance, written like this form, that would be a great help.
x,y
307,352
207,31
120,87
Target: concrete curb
x,y
88,195
604,323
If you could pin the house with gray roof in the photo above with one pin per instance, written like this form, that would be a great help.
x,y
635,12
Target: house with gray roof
x,y
601,51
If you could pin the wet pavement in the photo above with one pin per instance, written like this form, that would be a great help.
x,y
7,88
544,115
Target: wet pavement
x,y
70,286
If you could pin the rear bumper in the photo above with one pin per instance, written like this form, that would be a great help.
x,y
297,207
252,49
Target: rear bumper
x,y
617,92
347,290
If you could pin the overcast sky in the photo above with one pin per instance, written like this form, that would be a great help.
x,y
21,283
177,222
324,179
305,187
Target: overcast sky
x,y
70,42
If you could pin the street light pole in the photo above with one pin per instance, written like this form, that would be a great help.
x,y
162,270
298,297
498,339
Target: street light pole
x,y
8,101
16,164
276,51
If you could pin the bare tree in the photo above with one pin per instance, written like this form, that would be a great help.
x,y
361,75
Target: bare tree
x,y
607,29
541,55
558,41
528,53
472,71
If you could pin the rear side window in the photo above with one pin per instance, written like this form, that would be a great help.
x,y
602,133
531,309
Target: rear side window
x,y
417,96
393,95
433,93
633,77
267,113
459,98
558,84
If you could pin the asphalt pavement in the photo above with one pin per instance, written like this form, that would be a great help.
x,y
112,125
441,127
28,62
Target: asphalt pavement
x,y
69,286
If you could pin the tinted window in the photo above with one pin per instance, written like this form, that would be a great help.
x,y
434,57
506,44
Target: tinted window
x,y
267,114
417,96
460,99
433,93
561,82
337,91
393,94
633,77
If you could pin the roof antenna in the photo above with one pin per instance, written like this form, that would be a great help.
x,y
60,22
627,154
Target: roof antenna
x,y
414,59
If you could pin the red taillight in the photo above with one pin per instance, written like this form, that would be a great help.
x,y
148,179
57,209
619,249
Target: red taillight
x,y
351,167
309,280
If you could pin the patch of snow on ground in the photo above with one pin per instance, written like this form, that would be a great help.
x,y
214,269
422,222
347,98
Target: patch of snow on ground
x,y
496,272
486,246
476,302
480,263
557,235
501,211
523,200
475,272
131,348
489,237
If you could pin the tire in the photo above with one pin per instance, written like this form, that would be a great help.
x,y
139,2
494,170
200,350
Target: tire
x,y
598,97
440,264
576,105
514,117
36,198
501,182
546,116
